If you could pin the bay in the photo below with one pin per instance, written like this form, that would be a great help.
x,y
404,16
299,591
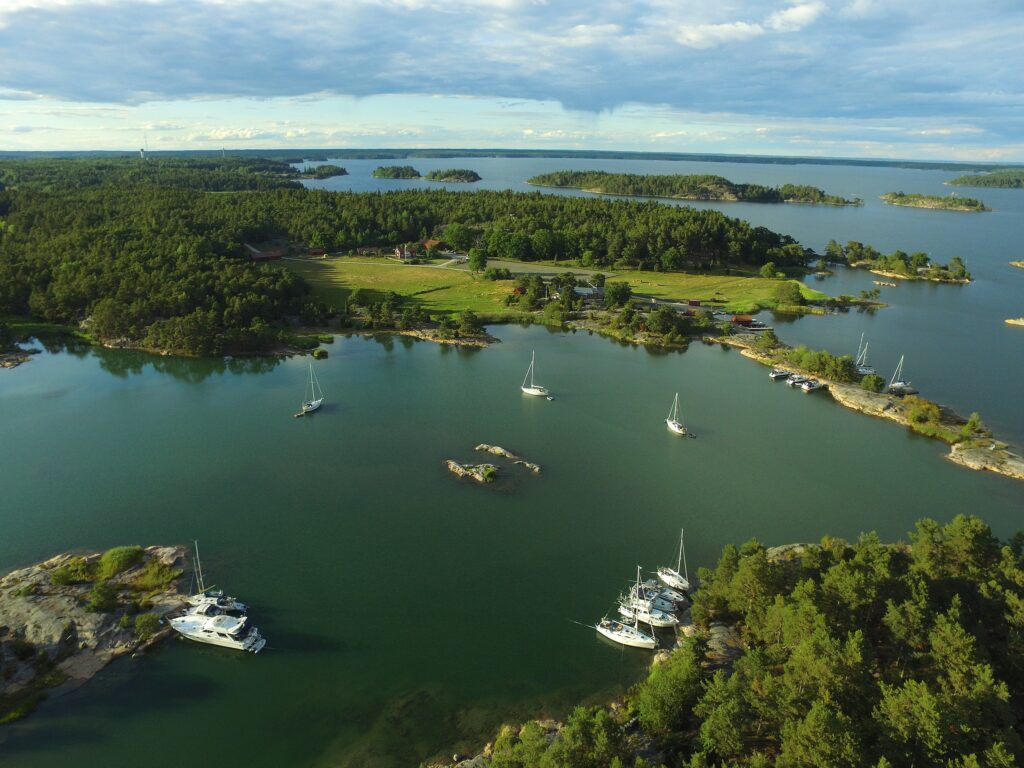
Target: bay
x,y
407,610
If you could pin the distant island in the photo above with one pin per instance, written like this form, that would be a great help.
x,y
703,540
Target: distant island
x,y
679,187
454,175
324,172
898,264
935,202
395,172
1011,178
1017,264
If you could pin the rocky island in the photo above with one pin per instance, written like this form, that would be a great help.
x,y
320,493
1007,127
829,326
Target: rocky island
x,y
64,619
935,202
454,175
395,172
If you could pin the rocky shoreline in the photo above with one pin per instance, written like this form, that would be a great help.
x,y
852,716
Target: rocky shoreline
x,y
66,618
978,453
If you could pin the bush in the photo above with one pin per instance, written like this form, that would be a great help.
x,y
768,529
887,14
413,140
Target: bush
x,y
74,572
873,383
616,294
789,294
125,622
147,625
319,354
118,559
767,341
154,576
769,269
102,598
23,650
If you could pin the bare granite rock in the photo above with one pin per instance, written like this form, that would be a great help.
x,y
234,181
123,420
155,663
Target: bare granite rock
x,y
482,473
497,450
52,619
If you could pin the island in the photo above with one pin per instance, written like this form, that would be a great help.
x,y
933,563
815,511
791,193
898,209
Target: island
x,y
1019,264
455,175
323,172
64,619
815,654
1015,321
898,264
951,202
1010,178
395,172
679,187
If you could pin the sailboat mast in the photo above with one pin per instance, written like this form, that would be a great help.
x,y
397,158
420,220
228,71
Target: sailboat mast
x,y
199,569
682,551
533,361
679,559
899,371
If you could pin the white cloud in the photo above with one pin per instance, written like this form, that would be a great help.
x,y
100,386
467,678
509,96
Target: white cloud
x,y
796,17
711,35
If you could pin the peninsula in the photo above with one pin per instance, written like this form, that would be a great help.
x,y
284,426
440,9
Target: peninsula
x,y
64,619
898,264
816,655
951,202
1010,178
395,172
459,175
678,187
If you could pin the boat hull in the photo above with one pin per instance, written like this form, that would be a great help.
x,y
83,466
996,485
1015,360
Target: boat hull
x,y
675,427
535,391
633,640
312,405
673,579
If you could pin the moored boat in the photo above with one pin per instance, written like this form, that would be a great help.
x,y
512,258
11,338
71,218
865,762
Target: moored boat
x,y
795,380
778,373
533,388
626,634
671,576
220,629
674,422
810,385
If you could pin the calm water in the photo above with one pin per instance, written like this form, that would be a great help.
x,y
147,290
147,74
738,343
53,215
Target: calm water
x,y
406,610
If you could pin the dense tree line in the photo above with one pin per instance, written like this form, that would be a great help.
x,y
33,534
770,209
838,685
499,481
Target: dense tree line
x,y
1011,178
324,172
702,187
164,265
212,174
863,654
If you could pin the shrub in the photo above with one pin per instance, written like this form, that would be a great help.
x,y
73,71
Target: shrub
x,y
118,559
147,625
125,622
767,341
154,576
873,383
73,572
102,598
319,354
789,294
23,650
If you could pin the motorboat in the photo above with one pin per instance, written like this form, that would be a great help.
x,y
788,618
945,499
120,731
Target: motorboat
x,y
810,385
778,373
218,629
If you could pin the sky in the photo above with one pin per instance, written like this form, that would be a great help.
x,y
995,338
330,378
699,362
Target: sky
x,y
914,79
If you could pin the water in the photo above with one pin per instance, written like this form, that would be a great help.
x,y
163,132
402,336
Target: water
x,y
958,349
407,611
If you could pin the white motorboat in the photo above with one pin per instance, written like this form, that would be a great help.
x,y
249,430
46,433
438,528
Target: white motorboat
x,y
626,634
671,576
810,385
219,629
674,422
795,380
533,388
862,359
778,373
652,616
314,394
210,596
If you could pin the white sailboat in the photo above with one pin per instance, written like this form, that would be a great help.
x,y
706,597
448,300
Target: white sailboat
x,y
897,385
212,597
671,576
673,422
532,388
314,395
626,634
862,358
639,606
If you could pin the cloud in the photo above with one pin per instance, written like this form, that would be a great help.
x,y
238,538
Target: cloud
x,y
860,60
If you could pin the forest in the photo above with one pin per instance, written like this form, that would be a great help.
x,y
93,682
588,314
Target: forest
x,y
912,266
164,267
454,174
844,655
703,187
1009,178
395,172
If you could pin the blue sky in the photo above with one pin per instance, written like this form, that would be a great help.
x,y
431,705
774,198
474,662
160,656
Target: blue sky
x,y
935,79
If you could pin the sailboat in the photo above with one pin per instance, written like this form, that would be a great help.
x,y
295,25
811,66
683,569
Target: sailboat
x,y
639,606
897,385
314,395
208,596
671,576
862,359
673,422
532,388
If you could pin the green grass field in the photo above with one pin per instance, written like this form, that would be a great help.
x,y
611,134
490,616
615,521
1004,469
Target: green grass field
x,y
739,294
435,290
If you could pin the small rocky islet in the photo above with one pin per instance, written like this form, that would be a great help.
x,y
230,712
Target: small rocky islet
x,y
486,472
66,618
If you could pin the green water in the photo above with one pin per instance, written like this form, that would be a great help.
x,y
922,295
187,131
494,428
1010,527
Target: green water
x,y
405,610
